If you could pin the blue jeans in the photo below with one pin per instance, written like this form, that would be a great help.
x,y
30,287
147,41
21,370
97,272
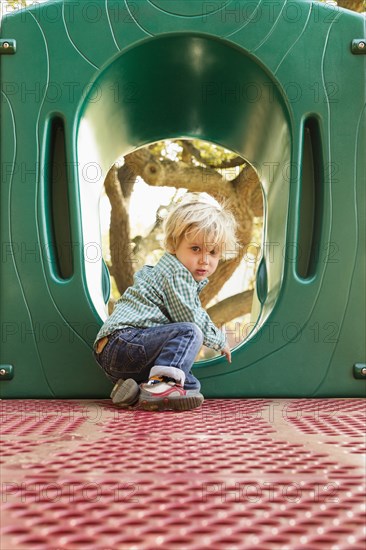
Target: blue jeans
x,y
132,352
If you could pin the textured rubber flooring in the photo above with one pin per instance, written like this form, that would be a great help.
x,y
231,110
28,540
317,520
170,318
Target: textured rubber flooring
x,y
232,475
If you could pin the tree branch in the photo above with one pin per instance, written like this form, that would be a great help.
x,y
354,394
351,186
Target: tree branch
x,y
192,150
231,308
178,174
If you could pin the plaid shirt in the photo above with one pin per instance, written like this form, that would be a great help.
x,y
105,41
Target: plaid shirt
x,y
165,293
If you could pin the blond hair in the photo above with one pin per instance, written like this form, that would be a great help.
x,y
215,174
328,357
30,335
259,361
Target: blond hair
x,y
196,216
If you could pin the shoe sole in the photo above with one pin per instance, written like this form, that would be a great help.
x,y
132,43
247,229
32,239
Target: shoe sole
x,y
125,393
116,387
177,404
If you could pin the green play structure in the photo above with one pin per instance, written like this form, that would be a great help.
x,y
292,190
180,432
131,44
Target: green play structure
x,y
280,83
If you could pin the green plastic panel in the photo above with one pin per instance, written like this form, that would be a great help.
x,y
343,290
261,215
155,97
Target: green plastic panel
x,y
275,82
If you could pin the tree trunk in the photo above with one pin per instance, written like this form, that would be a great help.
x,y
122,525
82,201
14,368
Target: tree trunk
x,y
119,234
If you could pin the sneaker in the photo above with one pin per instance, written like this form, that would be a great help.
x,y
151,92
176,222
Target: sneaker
x,y
162,392
125,393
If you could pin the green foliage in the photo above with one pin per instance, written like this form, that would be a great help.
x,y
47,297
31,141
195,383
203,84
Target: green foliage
x,y
8,6
19,4
213,154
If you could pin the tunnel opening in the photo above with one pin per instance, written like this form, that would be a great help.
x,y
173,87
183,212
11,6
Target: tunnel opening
x,y
187,87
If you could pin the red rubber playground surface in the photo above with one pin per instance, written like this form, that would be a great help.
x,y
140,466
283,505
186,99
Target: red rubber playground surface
x,y
235,474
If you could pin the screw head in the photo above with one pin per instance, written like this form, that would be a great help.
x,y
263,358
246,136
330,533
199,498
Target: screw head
x,y
361,45
6,45
3,371
363,371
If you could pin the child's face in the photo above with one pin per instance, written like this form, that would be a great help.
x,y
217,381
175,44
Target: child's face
x,y
198,256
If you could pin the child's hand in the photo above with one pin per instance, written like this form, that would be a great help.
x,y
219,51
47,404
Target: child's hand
x,y
227,352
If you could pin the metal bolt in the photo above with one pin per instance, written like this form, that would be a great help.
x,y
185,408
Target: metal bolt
x,y
361,45
363,371
6,45
3,372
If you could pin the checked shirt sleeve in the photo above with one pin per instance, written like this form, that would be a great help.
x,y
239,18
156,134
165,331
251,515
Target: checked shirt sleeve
x,y
183,305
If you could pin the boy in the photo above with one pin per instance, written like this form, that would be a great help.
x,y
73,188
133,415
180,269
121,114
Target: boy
x,y
158,326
